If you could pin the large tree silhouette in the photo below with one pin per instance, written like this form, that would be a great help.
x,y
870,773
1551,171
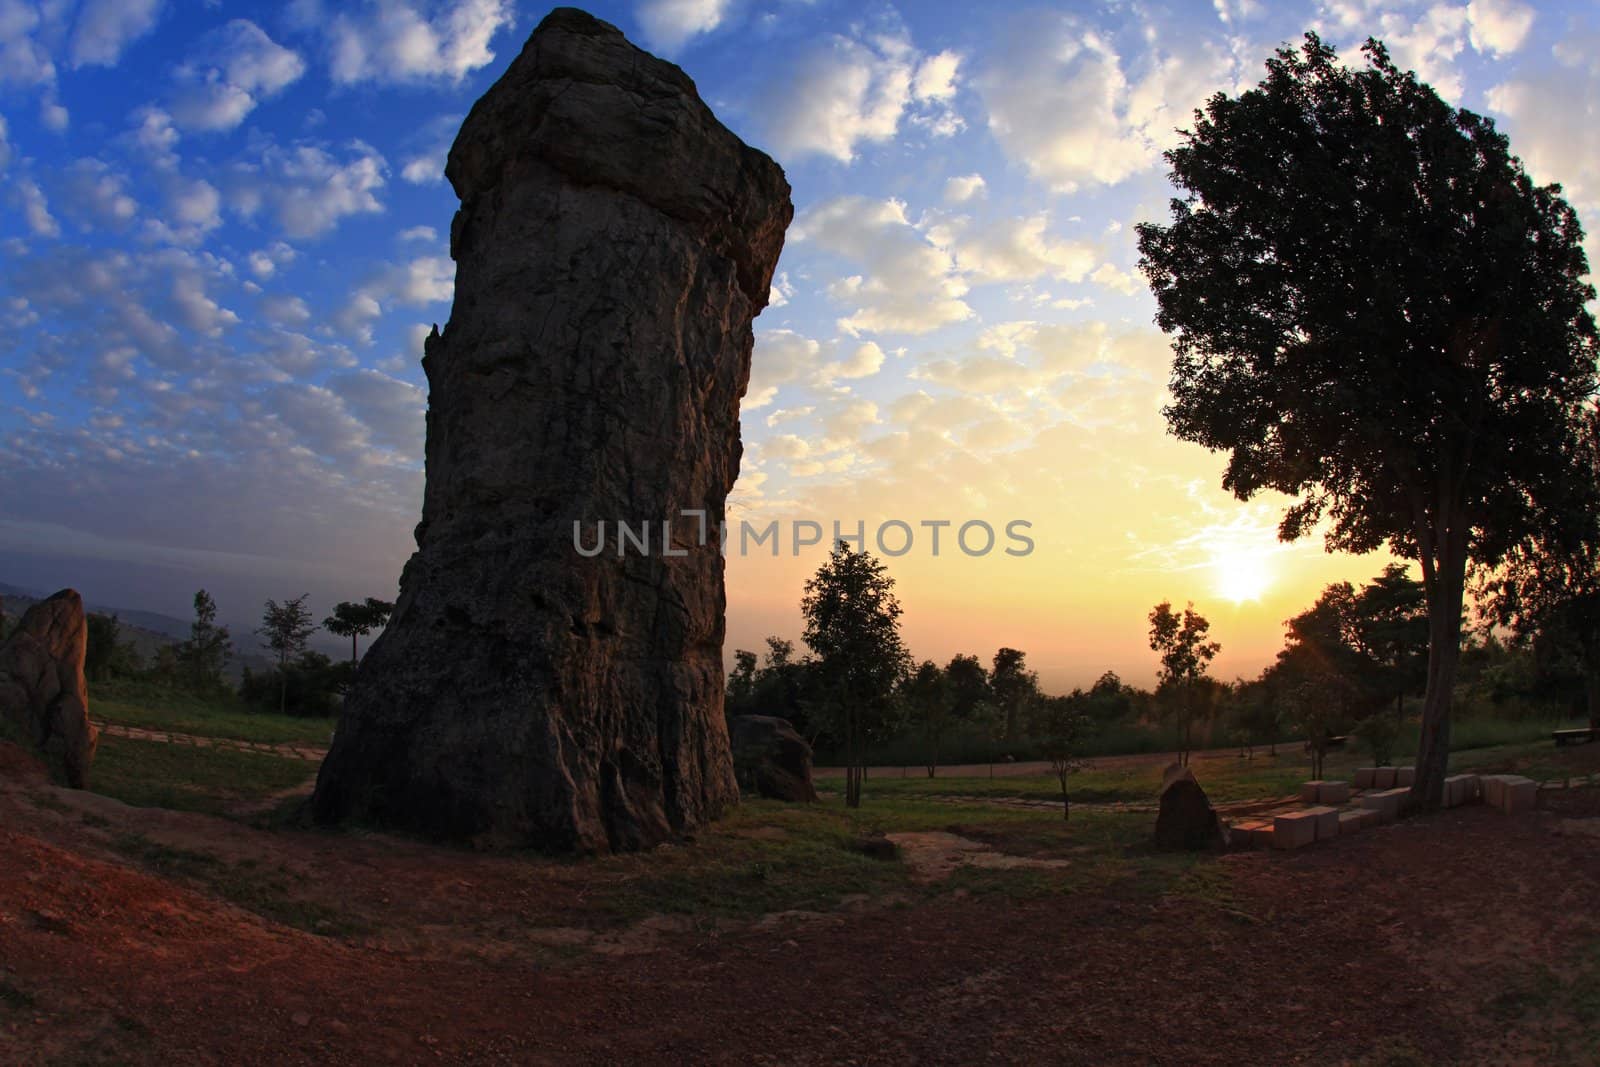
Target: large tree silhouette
x,y
1375,311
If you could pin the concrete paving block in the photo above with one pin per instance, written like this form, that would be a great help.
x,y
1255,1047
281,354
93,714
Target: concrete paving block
x,y
1386,802
1365,776
1309,791
1254,833
1493,786
1404,776
1294,829
1352,821
1327,822
1383,778
1518,795
1370,817
1333,793
1460,789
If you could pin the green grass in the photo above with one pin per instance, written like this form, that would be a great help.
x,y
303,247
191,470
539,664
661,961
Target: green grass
x,y
767,857
1225,776
155,774
152,707
268,893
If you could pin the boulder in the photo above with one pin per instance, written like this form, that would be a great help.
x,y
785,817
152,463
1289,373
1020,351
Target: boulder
x,y
547,680
44,700
1186,819
770,759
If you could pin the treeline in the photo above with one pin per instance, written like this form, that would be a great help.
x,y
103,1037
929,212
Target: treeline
x,y
302,681
1353,664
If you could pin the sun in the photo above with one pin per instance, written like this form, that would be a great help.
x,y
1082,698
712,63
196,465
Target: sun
x,y
1240,575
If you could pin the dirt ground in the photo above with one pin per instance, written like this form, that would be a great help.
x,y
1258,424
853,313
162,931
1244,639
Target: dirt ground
x,y
1467,936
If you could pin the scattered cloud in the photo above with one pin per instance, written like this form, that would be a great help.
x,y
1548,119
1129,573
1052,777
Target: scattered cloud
x,y
847,91
1065,103
235,68
668,25
911,285
960,189
397,41
308,190
104,28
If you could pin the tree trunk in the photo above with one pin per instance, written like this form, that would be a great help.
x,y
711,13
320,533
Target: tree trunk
x,y
1066,802
353,657
1591,696
1445,592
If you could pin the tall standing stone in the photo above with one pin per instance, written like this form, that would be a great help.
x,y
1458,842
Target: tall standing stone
x,y
44,699
613,244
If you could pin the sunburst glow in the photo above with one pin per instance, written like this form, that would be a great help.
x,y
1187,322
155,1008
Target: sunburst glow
x,y
1240,575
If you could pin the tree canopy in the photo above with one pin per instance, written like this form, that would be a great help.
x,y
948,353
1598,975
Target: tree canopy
x,y
1377,312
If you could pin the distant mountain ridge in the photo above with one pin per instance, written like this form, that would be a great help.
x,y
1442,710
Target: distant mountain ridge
x,y
147,631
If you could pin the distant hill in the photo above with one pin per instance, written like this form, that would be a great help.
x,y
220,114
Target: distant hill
x,y
146,631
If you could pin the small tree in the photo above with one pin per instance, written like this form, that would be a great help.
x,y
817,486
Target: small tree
x,y
1185,657
741,684
355,619
284,628
1391,619
1013,688
1059,729
1316,706
853,626
205,655
929,701
107,655
1379,731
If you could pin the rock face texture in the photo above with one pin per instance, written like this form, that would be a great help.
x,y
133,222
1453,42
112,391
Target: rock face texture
x,y
613,244
771,759
1186,820
44,701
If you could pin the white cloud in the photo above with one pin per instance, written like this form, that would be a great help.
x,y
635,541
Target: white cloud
x,y
425,169
1429,43
36,209
285,310
24,60
1499,27
847,91
407,40
865,361
670,24
307,189
960,189
105,27
155,137
417,283
1552,115
236,67
264,263
96,194
1112,277
1013,250
54,117
1061,101
419,233
911,286
936,77
781,357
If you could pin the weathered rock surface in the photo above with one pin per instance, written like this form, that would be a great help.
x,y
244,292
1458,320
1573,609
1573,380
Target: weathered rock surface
x,y
44,700
613,243
771,759
1186,819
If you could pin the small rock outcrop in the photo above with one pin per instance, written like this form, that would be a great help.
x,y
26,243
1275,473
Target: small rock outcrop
x,y
44,700
1186,820
545,680
770,759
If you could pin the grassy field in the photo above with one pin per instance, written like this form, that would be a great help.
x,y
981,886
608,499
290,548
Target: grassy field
x,y
155,774
1225,776
157,708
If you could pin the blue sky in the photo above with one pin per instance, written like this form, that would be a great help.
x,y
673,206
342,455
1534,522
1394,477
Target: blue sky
x,y
222,237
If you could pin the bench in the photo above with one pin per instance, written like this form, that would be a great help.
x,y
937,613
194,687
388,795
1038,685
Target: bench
x,y
1579,736
1332,743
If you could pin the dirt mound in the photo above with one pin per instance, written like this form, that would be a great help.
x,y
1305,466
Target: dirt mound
x,y
17,764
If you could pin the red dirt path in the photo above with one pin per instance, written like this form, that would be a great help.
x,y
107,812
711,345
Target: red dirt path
x,y
1396,939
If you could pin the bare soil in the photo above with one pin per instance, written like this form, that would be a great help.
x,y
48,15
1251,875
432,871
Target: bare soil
x,y
1467,936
